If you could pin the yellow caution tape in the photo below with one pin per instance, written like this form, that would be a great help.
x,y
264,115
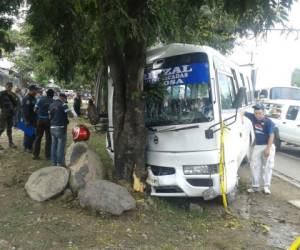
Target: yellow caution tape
x,y
222,168
295,245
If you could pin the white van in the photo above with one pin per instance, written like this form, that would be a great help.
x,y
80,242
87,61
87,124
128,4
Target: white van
x,y
191,90
286,116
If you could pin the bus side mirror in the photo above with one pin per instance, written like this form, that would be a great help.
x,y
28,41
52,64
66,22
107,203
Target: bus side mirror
x,y
239,98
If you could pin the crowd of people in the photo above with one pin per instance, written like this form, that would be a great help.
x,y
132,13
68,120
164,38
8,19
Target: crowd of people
x,y
37,114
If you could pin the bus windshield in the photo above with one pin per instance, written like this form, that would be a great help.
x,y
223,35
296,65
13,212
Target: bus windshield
x,y
178,91
285,93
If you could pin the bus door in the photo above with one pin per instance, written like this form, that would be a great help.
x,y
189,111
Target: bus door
x,y
233,135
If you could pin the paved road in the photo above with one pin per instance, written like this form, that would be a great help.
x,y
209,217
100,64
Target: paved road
x,y
287,162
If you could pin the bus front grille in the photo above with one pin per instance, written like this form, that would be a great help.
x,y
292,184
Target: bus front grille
x,y
200,182
168,189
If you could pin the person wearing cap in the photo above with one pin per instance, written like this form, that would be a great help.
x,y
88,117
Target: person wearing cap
x,y
18,113
58,113
43,124
8,106
29,116
263,154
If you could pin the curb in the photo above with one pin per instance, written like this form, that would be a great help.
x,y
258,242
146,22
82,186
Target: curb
x,y
286,178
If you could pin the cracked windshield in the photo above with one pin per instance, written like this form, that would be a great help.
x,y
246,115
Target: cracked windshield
x,y
178,94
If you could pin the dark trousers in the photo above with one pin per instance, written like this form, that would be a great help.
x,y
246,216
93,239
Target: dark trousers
x,y
77,110
43,126
6,122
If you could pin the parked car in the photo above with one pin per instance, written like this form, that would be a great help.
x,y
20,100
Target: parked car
x,y
286,116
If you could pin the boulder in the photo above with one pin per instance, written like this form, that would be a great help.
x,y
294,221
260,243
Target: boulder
x,y
105,196
74,152
87,168
46,183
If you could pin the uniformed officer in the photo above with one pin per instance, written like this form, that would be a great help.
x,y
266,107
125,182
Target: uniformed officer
x,y
29,116
43,125
8,105
263,154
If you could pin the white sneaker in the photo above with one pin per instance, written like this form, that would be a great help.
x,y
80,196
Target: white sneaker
x,y
267,190
252,190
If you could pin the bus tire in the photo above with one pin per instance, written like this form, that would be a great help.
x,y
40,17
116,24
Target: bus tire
x,y
232,195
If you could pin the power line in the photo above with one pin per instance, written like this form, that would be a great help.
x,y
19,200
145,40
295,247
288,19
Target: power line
x,y
283,29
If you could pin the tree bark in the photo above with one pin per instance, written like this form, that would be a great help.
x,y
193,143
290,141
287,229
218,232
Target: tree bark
x,y
127,71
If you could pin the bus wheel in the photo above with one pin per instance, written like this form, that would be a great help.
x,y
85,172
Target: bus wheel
x,y
232,195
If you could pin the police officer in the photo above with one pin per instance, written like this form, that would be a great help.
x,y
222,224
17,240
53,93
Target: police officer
x,y
29,116
8,105
263,154
43,125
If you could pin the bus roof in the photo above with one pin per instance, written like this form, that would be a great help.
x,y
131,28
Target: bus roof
x,y
177,49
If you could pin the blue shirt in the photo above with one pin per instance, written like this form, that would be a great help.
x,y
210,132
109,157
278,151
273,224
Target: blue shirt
x,y
29,115
262,128
58,114
42,107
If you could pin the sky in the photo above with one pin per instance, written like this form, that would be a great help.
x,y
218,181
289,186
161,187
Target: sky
x,y
275,56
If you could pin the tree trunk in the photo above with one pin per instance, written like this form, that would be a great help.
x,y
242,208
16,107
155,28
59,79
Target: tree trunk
x,y
127,71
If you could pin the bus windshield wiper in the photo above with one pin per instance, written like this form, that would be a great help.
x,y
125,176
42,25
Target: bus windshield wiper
x,y
171,129
184,128
161,130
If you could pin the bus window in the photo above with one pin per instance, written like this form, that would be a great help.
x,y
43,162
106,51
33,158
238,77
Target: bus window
x,y
256,94
244,85
236,85
226,86
249,91
263,94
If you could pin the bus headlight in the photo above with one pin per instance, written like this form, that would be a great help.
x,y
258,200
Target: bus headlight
x,y
200,169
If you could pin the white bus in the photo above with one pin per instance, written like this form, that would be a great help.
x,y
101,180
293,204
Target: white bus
x,y
191,90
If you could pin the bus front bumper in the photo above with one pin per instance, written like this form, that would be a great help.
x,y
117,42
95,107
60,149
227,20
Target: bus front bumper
x,y
179,185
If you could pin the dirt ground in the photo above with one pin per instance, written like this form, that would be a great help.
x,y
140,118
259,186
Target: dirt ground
x,y
256,221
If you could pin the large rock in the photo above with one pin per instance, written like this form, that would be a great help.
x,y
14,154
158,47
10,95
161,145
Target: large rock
x,y
74,152
46,183
87,168
105,196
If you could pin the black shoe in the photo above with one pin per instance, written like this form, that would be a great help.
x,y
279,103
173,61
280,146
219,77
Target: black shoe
x,y
12,145
36,157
